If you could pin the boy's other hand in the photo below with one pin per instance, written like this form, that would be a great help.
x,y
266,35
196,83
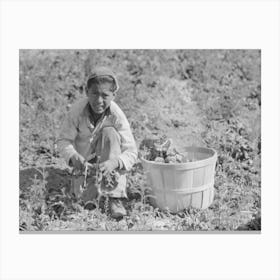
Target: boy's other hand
x,y
77,161
108,166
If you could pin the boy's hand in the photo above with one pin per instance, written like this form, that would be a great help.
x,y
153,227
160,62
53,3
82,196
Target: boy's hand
x,y
108,166
77,161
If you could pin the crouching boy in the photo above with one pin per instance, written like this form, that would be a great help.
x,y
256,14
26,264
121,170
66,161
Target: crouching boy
x,y
96,126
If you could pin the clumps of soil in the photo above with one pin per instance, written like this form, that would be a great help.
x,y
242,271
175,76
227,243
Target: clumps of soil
x,y
160,150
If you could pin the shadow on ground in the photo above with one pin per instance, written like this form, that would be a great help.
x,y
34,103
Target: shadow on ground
x,y
56,178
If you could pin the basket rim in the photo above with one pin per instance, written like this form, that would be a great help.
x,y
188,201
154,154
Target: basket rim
x,y
186,164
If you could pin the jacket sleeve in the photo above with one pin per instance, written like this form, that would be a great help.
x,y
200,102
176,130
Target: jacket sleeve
x,y
129,153
68,133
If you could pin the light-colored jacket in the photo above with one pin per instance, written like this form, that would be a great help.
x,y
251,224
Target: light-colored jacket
x,y
76,133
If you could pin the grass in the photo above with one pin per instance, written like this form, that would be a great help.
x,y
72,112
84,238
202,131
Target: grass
x,y
208,98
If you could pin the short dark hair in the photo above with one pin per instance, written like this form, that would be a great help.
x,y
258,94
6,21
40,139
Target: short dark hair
x,y
102,80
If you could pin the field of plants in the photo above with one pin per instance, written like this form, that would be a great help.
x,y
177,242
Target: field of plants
x,y
209,98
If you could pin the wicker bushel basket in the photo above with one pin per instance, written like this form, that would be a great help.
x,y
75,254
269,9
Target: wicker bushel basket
x,y
180,185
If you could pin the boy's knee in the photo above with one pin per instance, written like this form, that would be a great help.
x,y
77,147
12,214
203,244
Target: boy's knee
x,y
110,133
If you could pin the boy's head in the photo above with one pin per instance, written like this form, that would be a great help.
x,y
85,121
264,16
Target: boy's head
x,y
101,89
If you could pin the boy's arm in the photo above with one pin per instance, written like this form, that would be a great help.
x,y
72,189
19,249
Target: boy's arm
x,y
129,153
65,142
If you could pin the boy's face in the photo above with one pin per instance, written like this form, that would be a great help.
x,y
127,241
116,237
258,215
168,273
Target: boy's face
x,y
100,97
